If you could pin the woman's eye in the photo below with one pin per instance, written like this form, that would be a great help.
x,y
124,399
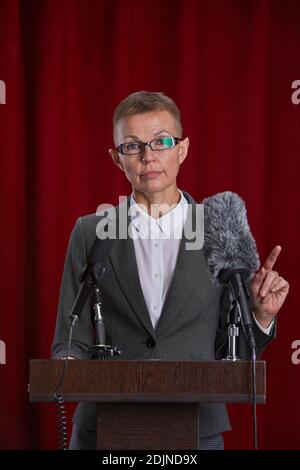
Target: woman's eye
x,y
164,142
159,143
133,146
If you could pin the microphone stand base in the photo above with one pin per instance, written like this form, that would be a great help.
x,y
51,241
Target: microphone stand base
x,y
231,358
103,351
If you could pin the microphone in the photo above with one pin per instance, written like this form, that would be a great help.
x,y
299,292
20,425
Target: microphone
x,y
91,274
230,250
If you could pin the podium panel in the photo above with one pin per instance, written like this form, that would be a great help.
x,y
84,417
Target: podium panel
x,y
152,404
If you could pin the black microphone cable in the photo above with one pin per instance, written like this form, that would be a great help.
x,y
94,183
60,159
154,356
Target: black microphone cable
x,y
58,397
250,337
253,362
91,274
254,399
242,298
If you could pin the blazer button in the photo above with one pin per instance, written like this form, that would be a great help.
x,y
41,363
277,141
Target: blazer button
x,y
150,343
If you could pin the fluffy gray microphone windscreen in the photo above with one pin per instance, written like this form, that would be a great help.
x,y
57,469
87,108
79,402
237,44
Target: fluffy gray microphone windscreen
x,y
228,241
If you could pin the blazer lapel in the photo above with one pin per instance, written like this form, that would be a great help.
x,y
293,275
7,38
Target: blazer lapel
x,y
190,273
125,268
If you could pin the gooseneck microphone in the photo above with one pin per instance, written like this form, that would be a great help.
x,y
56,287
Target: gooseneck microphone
x,y
92,273
230,250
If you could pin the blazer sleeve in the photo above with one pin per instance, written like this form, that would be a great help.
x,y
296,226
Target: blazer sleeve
x,y
83,331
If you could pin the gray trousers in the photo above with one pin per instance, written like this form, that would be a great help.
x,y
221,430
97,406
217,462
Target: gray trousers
x,y
81,439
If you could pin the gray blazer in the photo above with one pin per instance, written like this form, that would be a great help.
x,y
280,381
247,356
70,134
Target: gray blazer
x,y
191,326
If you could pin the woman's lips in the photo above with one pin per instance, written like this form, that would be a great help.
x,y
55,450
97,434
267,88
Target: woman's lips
x,y
150,174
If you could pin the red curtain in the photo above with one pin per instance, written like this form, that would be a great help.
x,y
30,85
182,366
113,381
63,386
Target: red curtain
x,y
66,64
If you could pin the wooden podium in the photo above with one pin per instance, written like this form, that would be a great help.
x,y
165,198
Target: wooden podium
x,y
148,404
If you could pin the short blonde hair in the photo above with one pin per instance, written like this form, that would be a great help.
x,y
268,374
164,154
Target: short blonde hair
x,y
142,102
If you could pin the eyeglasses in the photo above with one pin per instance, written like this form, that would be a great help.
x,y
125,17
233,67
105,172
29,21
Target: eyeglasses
x,y
134,148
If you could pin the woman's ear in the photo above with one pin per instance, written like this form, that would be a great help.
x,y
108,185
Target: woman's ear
x,y
183,149
116,158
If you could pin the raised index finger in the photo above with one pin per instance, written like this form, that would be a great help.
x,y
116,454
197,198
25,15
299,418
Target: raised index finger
x,y
271,259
